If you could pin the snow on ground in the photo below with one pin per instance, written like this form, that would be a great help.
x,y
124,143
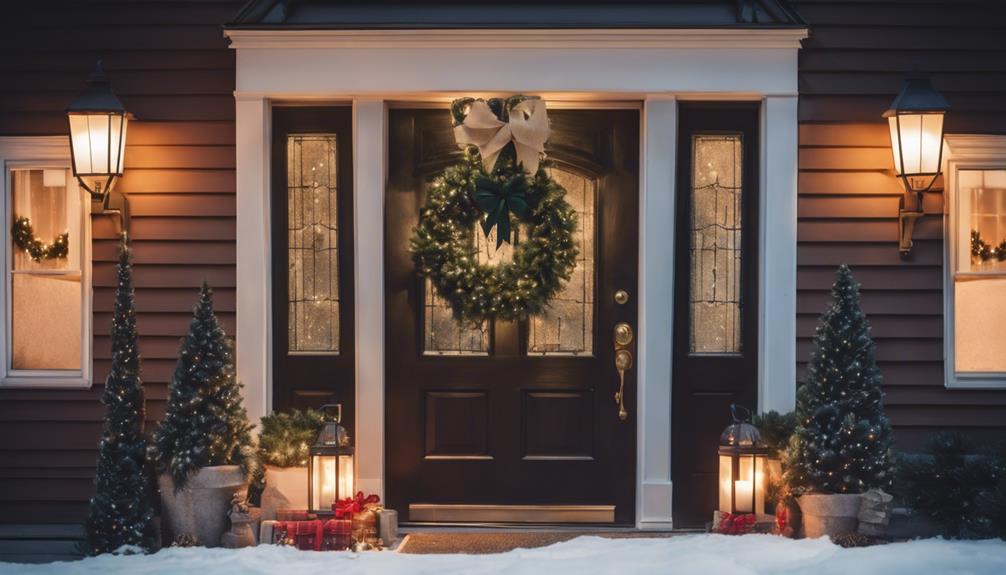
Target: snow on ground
x,y
706,554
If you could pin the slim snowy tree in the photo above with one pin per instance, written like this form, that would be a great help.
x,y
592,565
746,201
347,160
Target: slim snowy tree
x,y
120,512
206,423
842,442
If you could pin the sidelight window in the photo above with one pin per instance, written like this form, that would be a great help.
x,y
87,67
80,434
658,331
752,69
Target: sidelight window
x,y
716,226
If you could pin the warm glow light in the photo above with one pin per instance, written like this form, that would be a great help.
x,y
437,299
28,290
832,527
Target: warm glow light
x,y
744,492
345,477
915,143
99,143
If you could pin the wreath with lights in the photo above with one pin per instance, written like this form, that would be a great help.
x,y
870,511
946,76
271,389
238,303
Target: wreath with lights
x,y
984,251
23,235
500,182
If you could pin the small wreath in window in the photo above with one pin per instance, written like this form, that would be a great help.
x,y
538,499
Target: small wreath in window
x,y
24,238
500,182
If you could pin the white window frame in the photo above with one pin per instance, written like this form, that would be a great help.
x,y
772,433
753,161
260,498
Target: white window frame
x,y
36,152
964,152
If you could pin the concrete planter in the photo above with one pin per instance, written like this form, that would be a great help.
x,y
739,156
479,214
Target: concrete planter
x,y
285,488
829,514
200,508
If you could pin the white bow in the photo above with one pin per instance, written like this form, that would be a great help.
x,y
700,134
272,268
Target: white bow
x,y
527,129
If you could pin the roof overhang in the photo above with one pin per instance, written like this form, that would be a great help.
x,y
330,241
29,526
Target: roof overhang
x,y
520,38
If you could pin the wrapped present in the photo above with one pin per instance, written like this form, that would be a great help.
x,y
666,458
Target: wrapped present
x,y
338,535
365,526
312,535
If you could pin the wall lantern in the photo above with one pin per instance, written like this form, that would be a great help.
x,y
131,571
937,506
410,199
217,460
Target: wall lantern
x,y
97,122
916,121
742,465
330,465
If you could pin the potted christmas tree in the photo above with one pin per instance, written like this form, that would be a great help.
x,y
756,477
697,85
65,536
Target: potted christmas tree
x,y
283,449
202,449
842,442
120,514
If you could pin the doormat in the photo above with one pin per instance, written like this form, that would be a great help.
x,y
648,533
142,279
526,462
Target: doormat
x,y
501,542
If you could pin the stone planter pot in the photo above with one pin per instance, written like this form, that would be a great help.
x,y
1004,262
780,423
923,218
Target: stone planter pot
x,y
200,508
829,514
285,488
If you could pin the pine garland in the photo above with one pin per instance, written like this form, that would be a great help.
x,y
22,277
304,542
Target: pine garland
x,y
984,251
24,238
442,247
286,437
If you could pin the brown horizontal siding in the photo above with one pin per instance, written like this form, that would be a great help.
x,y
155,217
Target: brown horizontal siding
x,y
851,67
171,68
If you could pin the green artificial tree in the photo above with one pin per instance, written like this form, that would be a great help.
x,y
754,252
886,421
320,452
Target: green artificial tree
x,y
205,423
120,514
842,442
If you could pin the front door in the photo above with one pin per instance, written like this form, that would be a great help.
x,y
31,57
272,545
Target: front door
x,y
515,421
312,258
715,361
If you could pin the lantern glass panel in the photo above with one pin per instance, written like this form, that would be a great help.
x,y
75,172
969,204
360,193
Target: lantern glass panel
x,y
744,485
916,140
99,142
726,483
345,476
323,481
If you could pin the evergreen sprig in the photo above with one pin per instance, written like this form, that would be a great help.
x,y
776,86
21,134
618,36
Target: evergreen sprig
x,y
842,442
120,513
285,437
205,423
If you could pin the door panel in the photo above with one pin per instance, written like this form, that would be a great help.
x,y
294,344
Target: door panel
x,y
715,307
514,412
312,247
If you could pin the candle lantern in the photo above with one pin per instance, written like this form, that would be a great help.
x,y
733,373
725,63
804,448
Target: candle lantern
x,y
742,457
330,465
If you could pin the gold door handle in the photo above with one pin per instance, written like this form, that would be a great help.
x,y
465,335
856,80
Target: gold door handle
x,y
623,362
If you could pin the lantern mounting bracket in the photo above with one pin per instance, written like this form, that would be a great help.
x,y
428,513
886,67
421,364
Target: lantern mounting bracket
x,y
909,211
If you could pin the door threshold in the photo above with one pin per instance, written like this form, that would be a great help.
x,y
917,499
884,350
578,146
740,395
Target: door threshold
x,y
516,514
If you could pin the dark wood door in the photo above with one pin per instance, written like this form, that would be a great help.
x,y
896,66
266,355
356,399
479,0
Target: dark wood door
x,y
312,258
716,298
515,413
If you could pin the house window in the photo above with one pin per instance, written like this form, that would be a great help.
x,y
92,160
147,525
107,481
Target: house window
x,y
976,318
47,323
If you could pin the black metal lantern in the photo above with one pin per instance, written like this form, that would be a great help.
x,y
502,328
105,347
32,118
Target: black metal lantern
x,y
330,465
97,122
915,119
742,465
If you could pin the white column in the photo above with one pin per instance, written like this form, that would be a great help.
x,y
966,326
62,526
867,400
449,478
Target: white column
x,y
656,288
777,294
254,324
369,133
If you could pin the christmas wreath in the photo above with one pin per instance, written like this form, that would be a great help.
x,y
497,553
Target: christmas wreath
x,y
499,182
23,235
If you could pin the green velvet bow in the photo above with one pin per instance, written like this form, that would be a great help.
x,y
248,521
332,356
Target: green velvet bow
x,y
498,200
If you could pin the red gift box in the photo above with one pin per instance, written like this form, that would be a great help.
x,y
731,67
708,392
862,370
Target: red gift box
x,y
315,535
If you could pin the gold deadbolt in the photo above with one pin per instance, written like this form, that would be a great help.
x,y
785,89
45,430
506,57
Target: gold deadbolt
x,y
623,334
621,297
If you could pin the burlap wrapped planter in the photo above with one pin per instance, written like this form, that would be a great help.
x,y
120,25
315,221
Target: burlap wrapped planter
x,y
829,514
285,488
200,508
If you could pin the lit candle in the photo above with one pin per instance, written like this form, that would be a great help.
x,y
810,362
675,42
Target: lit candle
x,y
744,495
327,481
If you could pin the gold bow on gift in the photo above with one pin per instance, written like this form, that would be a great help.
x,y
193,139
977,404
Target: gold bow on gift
x,y
527,129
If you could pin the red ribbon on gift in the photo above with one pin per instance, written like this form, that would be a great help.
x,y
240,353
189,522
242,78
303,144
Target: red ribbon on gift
x,y
346,508
736,523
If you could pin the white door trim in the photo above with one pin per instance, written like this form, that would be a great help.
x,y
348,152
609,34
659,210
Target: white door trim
x,y
371,75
